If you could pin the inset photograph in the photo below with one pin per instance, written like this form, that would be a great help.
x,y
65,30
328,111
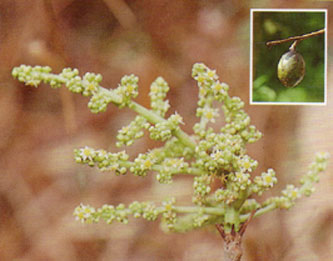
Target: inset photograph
x,y
288,57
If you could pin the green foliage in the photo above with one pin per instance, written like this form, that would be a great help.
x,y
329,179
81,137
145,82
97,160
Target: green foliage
x,y
208,156
268,26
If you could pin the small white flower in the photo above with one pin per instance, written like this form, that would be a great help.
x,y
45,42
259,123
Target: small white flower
x,y
87,153
247,164
269,179
83,213
210,114
291,192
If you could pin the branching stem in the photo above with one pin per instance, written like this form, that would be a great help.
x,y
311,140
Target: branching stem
x,y
259,212
154,118
295,38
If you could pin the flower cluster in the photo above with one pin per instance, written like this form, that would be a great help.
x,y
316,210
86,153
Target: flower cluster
x,y
128,134
158,91
142,164
208,113
88,85
250,205
127,89
264,182
120,213
169,213
312,176
174,148
223,185
85,214
210,89
33,76
225,195
108,213
170,167
201,186
72,80
291,193
240,180
147,210
105,161
99,101
200,219
164,130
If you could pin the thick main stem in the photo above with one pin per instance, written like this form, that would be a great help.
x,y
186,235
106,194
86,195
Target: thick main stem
x,y
233,240
233,248
232,244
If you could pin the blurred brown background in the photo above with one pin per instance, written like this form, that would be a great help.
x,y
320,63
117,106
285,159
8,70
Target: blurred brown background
x,y
40,184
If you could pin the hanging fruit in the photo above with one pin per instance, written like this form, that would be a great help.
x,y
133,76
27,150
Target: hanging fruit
x,y
291,68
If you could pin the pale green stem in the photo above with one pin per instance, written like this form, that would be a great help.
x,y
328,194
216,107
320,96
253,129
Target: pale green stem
x,y
259,212
155,118
157,167
205,210
146,113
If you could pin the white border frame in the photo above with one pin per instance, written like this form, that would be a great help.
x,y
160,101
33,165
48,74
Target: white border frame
x,y
251,56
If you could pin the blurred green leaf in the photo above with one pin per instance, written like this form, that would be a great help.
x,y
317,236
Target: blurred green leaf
x,y
260,81
264,94
292,95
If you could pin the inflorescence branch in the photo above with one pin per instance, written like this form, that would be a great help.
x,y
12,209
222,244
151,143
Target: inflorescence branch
x,y
209,156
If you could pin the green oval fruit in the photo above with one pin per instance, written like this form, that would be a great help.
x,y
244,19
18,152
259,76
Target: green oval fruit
x,y
291,68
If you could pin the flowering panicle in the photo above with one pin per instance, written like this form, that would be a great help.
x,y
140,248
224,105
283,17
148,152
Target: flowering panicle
x,y
210,89
120,213
291,193
223,181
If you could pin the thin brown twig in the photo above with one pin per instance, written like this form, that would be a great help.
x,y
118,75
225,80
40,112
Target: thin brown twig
x,y
220,229
295,38
246,223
